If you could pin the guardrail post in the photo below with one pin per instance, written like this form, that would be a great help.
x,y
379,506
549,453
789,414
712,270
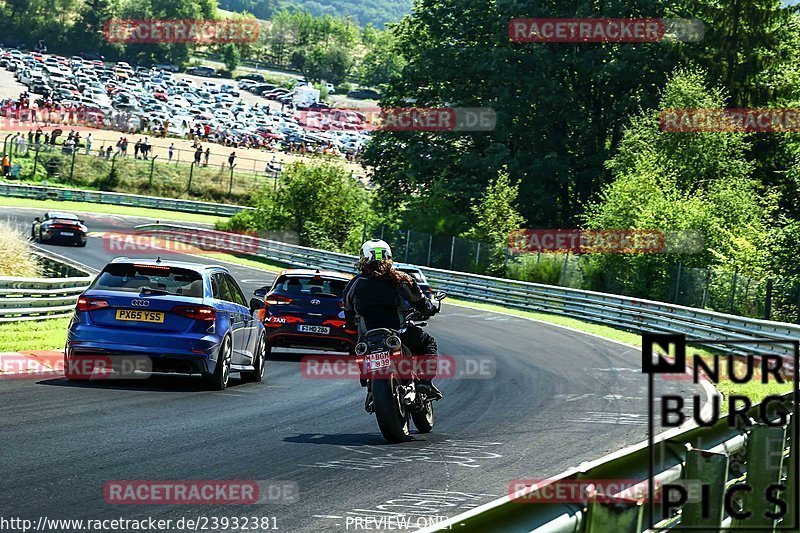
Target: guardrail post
x,y
709,469
620,516
765,447
152,166
791,515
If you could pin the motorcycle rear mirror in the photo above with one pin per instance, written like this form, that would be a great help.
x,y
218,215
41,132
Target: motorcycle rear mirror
x,y
256,303
260,292
439,295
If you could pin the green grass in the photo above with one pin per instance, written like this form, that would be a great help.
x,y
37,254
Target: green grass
x,y
156,214
251,261
48,334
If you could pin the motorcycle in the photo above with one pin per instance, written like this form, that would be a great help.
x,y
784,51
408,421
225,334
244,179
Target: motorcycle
x,y
391,374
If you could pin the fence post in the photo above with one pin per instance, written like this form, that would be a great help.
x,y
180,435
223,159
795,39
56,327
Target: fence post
x,y
678,283
364,233
478,256
768,300
705,289
35,161
152,165
5,142
733,288
430,246
113,162
230,186
191,171
563,269
452,250
72,163
408,240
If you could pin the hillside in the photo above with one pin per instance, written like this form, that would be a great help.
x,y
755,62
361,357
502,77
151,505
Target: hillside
x,y
377,12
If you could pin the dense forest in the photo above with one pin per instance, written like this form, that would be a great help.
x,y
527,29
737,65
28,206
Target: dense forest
x,y
375,12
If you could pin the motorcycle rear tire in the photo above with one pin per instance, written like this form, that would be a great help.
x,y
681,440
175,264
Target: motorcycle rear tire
x,y
391,421
423,420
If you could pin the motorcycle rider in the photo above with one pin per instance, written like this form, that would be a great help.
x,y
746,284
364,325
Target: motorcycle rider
x,y
376,298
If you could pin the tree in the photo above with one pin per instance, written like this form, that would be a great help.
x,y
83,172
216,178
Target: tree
x,y
559,107
231,56
681,183
496,218
319,202
382,62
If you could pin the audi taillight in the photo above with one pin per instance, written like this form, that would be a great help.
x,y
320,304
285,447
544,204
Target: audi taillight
x,y
86,303
275,299
202,313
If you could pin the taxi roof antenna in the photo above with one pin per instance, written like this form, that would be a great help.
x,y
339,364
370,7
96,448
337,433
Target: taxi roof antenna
x,y
158,259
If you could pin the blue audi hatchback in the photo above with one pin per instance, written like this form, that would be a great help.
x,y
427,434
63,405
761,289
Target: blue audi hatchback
x,y
180,317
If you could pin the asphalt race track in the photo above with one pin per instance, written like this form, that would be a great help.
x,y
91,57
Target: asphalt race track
x,y
558,398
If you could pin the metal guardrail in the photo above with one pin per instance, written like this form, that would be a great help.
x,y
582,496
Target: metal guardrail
x,y
114,198
37,298
713,456
608,309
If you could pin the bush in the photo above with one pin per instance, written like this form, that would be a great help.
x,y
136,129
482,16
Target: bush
x,y
319,202
536,268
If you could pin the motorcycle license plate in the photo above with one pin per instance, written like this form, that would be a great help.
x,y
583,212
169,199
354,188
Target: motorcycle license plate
x,y
376,361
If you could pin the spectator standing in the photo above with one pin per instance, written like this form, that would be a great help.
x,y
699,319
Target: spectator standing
x,y
198,154
207,155
146,148
6,165
137,148
88,143
171,150
108,152
231,159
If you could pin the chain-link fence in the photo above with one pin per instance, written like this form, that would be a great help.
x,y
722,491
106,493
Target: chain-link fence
x,y
162,172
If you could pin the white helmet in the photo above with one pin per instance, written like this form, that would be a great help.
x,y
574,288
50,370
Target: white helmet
x,y
376,250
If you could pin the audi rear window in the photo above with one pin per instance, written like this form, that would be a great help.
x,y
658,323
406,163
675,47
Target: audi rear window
x,y
152,279
310,286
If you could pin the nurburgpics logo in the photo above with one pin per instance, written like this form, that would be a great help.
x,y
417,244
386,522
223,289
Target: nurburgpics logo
x,y
734,467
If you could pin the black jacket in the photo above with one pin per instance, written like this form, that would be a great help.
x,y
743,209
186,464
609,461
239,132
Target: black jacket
x,y
372,303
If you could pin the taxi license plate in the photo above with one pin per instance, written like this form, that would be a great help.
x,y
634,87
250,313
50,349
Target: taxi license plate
x,y
376,361
135,315
67,233
323,330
